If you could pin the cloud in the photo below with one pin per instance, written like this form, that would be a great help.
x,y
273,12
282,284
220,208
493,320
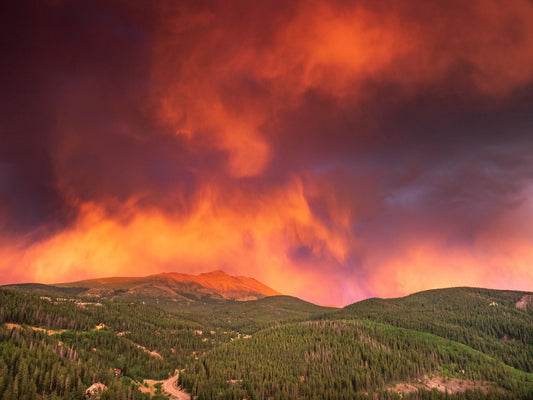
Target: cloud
x,y
315,145
239,235
235,86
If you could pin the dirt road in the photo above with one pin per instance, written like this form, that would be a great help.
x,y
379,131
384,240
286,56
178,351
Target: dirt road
x,y
175,393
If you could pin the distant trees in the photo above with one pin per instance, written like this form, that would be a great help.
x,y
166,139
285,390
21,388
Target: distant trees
x,y
486,320
337,359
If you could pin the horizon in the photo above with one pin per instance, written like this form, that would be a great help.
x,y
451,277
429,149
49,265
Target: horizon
x,y
333,150
339,306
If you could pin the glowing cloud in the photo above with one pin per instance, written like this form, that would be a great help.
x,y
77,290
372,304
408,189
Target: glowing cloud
x,y
334,150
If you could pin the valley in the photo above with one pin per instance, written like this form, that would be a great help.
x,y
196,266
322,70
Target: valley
x,y
131,335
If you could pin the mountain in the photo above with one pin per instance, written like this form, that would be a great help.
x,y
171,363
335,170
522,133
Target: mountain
x,y
175,287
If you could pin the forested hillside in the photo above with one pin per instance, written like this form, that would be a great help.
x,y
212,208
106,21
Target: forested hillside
x,y
251,316
60,347
486,320
458,343
344,359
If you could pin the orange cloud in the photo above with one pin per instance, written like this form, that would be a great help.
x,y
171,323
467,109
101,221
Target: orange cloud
x,y
240,88
256,236
500,256
222,76
237,234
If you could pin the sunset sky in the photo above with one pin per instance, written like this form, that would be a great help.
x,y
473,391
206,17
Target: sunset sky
x,y
333,150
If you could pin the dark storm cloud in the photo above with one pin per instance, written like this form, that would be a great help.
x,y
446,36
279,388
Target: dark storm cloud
x,y
317,133
48,50
74,123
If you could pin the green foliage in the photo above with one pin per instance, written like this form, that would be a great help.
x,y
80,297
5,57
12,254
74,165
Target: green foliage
x,y
296,349
337,359
486,320
77,350
251,316
33,365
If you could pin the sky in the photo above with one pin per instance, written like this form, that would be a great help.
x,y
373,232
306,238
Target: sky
x,y
334,150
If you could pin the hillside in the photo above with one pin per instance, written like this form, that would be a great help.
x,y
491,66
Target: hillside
x,y
254,315
351,359
166,287
61,346
484,319
458,343
465,342
230,302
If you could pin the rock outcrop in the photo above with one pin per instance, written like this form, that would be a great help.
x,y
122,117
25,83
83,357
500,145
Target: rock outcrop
x,y
525,302
95,390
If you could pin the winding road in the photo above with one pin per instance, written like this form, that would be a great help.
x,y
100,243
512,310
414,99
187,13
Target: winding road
x,y
175,393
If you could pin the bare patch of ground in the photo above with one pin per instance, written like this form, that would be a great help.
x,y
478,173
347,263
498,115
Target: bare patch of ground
x,y
443,384
525,302
507,338
35,328
152,353
150,386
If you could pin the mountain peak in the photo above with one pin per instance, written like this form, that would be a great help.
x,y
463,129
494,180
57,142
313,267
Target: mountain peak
x,y
217,272
228,286
178,286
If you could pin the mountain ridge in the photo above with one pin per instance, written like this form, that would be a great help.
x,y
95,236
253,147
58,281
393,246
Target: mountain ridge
x,y
214,285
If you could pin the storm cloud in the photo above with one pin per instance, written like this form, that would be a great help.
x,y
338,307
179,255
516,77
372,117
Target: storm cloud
x,y
333,150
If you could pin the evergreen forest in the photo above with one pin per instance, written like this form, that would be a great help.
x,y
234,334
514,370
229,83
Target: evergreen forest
x,y
459,343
